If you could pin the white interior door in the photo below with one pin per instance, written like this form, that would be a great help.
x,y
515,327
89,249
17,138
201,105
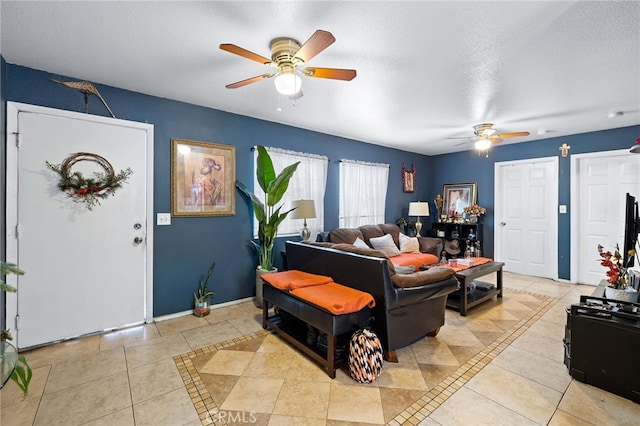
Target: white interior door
x,y
84,270
526,227
601,181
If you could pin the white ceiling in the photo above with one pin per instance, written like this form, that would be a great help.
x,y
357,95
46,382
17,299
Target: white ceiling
x,y
427,71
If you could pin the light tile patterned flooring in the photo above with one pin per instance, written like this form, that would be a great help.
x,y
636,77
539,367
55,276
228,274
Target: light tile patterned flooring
x,y
502,364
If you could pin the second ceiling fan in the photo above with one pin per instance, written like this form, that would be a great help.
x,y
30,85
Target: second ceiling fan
x,y
287,55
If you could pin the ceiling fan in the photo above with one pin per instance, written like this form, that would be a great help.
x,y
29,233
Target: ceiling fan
x,y
287,55
486,131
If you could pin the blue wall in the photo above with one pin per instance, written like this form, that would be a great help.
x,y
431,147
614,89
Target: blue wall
x,y
185,249
469,166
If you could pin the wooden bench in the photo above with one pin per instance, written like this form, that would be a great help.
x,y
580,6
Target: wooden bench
x,y
293,316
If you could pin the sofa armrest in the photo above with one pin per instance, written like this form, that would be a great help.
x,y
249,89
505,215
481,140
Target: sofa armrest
x,y
421,278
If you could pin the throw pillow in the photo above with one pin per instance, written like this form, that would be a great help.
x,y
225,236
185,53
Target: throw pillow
x,y
359,243
430,245
386,245
404,269
409,244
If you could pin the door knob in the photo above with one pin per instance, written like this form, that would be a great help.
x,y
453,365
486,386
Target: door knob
x,y
137,240
503,223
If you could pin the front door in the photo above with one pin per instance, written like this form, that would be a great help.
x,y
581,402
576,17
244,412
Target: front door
x,y
87,270
526,225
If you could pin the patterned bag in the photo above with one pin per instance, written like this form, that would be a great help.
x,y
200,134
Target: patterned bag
x,y
365,356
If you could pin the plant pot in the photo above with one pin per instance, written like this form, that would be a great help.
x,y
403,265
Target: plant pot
x,y
627,295
473,218
259,273
202,309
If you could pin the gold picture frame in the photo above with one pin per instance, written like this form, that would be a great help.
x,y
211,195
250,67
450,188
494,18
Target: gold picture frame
x,y
203,177
457,196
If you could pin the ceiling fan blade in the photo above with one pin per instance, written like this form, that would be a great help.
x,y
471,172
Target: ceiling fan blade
x,y
237,50
333,73
248,81
512,134
495,139
318,41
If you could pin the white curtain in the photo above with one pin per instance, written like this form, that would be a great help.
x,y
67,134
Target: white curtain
x,y
363,193
307,183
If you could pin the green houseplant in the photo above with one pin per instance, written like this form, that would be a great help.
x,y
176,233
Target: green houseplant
x,y
201,296
22,373
267,213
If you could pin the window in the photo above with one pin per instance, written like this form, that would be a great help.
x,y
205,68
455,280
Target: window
x,y
307,183
363,193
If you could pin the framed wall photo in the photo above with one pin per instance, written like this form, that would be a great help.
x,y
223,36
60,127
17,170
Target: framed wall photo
x,y
408,179
457,196
203,177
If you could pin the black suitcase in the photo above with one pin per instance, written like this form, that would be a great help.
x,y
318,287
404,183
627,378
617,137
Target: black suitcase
x,y
602,345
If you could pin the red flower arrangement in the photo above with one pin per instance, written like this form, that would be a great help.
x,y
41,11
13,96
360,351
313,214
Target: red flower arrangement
x,y
617,272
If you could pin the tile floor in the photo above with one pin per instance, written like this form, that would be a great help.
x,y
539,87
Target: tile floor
x,y
502,364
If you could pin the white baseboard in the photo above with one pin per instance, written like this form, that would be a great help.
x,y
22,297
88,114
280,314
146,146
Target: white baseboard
x,y
190,312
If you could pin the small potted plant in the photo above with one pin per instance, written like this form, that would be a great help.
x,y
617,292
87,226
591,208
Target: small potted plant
x,y
474,212
617,276
201,296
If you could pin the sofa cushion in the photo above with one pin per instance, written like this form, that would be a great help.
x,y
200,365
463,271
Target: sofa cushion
x,y
359,243
409,244
393,229
385,244
345,235
370,231
431,245
365,252
421,278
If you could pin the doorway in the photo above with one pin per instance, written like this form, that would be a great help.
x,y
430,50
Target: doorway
x,y
599,182
87,270
526,224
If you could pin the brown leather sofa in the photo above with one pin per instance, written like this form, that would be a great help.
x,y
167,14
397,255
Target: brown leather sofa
x,y
408,307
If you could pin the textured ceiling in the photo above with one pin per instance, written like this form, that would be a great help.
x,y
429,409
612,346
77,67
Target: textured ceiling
x,y
427,71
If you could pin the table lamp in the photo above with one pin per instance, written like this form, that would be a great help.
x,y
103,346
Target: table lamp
x,y
418,208
305,209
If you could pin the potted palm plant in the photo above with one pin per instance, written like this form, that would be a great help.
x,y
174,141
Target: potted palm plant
x,y
269,215
201,296
22,373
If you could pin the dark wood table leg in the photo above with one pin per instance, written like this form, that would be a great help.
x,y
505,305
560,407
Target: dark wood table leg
x,y
265,313
499,281
463,297
331,356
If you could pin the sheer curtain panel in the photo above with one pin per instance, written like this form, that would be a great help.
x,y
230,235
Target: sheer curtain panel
x,y
363,193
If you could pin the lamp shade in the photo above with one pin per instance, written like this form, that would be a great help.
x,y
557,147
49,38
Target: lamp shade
x,y
419,208
287,83
482,144
305,209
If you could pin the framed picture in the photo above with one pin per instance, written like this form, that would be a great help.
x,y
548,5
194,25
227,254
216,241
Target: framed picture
x,y
203,177
457,196
408,179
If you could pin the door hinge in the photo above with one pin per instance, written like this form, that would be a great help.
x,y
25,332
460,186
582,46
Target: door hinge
x,y
17,322
17,139
18,231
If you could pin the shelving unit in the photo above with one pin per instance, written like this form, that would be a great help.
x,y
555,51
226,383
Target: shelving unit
x,y
462,232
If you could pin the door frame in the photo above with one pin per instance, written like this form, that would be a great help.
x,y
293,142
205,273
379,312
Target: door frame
x,y
498,198
13,110
575,199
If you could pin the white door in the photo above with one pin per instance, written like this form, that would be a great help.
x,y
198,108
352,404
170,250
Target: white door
x,y
526,227
85,270
601,181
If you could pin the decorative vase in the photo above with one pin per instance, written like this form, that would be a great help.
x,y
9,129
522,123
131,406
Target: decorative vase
x,y
473,218
202,309
259,273
628,294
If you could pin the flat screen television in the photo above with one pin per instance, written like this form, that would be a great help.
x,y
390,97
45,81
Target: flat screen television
x,y
631,229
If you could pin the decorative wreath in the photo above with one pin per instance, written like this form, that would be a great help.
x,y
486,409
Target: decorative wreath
x,y
89,190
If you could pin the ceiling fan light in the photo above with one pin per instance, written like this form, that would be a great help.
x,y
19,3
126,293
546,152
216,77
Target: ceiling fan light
x,y
287,83
482,144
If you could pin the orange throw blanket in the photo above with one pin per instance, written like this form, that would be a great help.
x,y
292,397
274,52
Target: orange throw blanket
x,y
476,261
335,298
289,280
413,259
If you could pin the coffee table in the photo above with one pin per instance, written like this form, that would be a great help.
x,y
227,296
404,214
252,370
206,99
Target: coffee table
x,y
462,300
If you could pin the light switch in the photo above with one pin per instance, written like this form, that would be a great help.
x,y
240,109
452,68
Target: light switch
x,y
163,219
563,208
